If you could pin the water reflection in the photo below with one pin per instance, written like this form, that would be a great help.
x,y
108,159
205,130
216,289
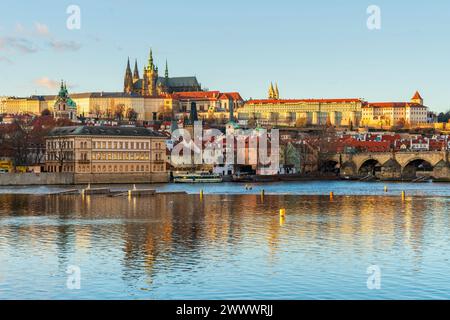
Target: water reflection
x,y
175,246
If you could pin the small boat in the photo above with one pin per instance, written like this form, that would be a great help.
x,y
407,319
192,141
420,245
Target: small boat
x,y
198,178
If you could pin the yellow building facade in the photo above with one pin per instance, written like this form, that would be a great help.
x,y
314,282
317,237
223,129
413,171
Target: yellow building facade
x,y
107,154
94,105
390,114
338,112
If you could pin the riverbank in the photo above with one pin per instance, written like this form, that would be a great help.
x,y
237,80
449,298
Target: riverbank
x,y
69,179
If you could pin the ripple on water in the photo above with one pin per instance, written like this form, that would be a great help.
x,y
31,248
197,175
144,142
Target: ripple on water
x,y
226,247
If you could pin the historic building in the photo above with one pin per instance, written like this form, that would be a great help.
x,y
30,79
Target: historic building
x,y
301,112
152,85
107,154
392,114
64,107
214,105
273,92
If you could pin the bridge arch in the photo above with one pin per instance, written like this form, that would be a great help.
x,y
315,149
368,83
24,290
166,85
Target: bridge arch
x,y
329,166
370,166
417,167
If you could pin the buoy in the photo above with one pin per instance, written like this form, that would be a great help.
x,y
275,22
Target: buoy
x,y
262,194
201,194
331,195
403,195
282,212
89,186
385,189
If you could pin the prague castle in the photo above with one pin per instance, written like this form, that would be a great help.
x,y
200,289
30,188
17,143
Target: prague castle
x,y
152,85
153,97
352,112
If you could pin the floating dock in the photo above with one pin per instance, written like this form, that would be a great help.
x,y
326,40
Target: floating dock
x,y
141,192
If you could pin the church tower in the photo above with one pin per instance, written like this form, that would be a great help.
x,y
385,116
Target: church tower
x,y
150,77
136,72
271,91
128,79
166,74
276,92
417,98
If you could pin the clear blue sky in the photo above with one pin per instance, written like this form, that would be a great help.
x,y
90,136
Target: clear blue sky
x,y
313,49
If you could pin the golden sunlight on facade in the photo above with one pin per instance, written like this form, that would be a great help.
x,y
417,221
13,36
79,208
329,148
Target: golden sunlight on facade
x,y
107,154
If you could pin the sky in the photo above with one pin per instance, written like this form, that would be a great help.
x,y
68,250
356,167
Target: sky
x,y
312,49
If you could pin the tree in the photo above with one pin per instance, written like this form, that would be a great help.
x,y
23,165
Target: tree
x,y
400,124
132,115
119,111
97,111
444,117
24,140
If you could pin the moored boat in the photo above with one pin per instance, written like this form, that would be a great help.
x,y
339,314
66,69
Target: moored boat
x,y
197,178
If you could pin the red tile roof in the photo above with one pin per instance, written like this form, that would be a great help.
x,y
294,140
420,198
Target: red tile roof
x,y
235,96
417,96
206,95
391,104
287,101
196,95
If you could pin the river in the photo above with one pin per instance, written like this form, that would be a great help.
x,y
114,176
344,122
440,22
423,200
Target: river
x,y
231,245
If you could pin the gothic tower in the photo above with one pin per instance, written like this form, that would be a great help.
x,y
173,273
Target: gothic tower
x,y
271,91
150,77
276,92
128,79
136,72
166,74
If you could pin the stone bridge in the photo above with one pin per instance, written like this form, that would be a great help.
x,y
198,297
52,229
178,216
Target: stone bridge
x,y
392,165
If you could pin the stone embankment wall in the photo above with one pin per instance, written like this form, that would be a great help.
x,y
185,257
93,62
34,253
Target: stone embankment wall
x,y
31,179
61,178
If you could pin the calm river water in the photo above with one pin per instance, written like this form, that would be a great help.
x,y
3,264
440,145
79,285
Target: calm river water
x,y
228,246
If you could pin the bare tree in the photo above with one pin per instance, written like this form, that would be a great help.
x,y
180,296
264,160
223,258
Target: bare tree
x,y
132,115
97,111
119,111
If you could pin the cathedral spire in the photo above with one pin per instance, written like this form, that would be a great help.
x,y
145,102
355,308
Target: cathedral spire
x,y
276,93
150,60
128,79
271,91
167,70
136,71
